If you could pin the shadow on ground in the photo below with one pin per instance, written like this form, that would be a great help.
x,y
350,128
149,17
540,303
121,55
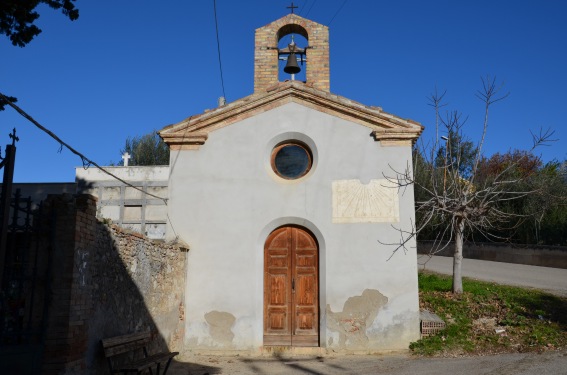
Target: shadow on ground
x,y
545,306
302,365
274,365
186,368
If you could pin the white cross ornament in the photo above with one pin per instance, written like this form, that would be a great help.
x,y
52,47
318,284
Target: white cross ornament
x,y
126,157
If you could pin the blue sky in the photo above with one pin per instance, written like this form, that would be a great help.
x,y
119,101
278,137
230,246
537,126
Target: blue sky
x,y
128,67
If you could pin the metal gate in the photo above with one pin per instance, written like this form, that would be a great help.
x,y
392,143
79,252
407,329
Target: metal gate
x,y
25,263
24,296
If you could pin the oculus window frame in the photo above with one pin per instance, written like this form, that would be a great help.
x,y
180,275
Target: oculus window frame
x,y
291,159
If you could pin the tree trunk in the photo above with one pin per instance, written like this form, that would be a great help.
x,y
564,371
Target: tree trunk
x,y
458,258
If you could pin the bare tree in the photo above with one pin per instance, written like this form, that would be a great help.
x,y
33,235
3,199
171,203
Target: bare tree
x,y
452,198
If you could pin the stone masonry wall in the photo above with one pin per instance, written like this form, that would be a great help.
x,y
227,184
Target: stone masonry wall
x,y
139,286
106,281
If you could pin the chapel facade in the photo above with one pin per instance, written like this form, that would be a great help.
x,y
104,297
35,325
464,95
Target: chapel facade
x,y
282,199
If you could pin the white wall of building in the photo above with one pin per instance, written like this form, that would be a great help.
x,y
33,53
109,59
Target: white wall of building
x,y
132,173
227,200
137,205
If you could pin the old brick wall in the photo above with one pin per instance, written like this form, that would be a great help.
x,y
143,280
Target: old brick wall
x,y
105,281
72,234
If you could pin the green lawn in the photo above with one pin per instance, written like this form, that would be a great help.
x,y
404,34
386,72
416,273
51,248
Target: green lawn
x,y
490,318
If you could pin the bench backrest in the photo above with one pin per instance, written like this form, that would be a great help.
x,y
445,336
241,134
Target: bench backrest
x,y
126,343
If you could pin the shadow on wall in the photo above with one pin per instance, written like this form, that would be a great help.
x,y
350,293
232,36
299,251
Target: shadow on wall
x,y
102,282
119,271
136,285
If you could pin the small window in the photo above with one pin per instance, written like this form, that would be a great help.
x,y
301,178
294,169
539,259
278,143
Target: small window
x,y
291,160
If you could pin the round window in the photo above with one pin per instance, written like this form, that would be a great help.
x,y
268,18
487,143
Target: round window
x,y
291,160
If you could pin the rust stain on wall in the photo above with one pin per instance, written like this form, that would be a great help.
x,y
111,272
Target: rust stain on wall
x,y
358,313
220,324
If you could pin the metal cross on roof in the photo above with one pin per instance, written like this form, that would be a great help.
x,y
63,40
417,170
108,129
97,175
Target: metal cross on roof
x,y
14,137
292,7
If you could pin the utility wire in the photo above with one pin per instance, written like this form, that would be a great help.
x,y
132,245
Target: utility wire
x,y
86,161
218,47
341,7
311,7
303,7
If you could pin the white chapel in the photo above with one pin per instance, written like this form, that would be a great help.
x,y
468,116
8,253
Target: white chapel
x,y
282,198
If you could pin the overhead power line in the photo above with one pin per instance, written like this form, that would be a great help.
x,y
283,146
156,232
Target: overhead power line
x,y
341,7
86,161
311,7
218,47
302,8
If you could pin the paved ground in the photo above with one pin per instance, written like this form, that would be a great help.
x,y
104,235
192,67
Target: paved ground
x,y
552,363
553,280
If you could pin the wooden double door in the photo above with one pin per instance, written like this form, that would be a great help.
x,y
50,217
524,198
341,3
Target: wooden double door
x,y
291,288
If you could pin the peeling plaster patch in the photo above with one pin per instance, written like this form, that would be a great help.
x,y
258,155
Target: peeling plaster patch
x,y
220,324
358,313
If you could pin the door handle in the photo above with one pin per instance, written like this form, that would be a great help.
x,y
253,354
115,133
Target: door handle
x,y
293,284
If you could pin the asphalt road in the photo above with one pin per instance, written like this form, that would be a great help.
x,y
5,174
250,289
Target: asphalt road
x,y
552,280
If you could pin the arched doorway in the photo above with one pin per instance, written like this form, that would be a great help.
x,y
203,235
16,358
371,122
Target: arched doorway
x,y
291,288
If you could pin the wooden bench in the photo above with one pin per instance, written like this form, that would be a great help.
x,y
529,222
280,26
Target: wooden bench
x,y
120,345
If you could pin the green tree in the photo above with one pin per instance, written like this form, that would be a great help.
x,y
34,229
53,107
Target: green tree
x,y
4,102
456,150
537,217
147,149
17,18
543,213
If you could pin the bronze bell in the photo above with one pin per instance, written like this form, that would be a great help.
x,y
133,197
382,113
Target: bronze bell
x,y
291,67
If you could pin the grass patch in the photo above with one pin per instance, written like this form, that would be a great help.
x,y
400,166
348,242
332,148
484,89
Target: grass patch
x,y
490,318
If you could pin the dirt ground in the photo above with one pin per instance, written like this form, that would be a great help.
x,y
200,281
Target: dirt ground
x,y
509,364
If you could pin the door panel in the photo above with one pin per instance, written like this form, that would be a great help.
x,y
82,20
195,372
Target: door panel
x,y
306,293
277,293
291,288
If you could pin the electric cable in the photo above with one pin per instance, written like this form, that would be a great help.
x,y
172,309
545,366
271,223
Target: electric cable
x,y
86,161
341,7
303,7
311,7
218,47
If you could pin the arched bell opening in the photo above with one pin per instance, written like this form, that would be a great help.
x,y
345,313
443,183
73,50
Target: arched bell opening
x,y
292,38
307,35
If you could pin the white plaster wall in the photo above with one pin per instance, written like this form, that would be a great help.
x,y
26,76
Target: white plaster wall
x,y
225,200
134,173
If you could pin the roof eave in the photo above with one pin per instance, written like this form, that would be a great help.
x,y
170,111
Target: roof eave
x,y
387,128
